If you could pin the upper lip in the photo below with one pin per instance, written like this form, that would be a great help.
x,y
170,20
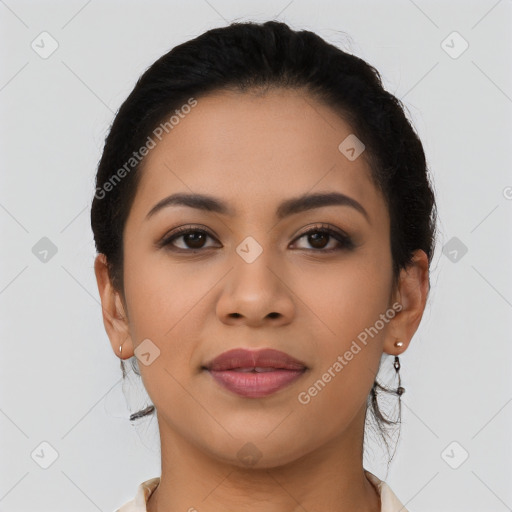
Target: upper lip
x,y
263,358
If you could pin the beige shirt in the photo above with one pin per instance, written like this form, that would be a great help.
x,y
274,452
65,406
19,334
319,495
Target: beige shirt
x,y
389,502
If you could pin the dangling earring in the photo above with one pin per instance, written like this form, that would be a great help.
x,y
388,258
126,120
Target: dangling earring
x,y
120,351
400,390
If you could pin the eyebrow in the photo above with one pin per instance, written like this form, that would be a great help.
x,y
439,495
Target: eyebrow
x,y
286,208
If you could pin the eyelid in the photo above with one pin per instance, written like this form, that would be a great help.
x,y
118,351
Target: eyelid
x,y
321,226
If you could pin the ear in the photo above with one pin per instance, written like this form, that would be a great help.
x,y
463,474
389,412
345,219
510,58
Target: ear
x,y
115,319
411,294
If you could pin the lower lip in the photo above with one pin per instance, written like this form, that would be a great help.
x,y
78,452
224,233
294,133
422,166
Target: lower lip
x,y
255,384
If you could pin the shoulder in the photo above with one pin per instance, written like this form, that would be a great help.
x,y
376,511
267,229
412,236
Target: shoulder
x,y
388,499
144,491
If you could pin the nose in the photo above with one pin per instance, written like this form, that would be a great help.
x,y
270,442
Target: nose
x,y
256,294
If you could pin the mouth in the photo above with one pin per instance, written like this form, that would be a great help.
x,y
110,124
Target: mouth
x,y
255,374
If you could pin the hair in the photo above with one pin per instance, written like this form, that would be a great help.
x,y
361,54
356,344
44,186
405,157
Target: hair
x,y
252,57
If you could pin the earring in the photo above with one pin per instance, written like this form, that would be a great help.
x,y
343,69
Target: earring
x,y
400,390
120,350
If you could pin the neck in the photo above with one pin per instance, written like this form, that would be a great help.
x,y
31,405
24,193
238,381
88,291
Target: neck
x,y
330,477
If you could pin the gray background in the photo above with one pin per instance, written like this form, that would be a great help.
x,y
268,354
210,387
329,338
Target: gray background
x,y
61,382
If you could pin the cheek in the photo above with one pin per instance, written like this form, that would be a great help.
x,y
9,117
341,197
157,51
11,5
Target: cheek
x,y
347,297
151,302
164,302
158,293
347,303
163,311
347,309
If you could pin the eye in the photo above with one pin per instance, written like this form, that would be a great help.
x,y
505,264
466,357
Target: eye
x,y
193,239
319,235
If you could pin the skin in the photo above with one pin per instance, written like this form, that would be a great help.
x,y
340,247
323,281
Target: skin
x,y
254,151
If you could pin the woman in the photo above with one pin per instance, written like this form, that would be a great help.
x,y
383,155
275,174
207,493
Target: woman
x,y
264,224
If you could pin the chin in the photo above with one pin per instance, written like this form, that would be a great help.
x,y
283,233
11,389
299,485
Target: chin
x,y
259,451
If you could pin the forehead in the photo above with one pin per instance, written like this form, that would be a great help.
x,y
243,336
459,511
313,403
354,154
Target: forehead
x,y
254,149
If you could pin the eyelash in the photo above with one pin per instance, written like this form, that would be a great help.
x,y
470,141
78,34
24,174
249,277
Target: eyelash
x,y
345,241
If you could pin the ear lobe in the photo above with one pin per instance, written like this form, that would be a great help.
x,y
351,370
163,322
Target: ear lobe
x,y
412,292
114,316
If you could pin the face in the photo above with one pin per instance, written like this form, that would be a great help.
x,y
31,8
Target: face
x,y
311,281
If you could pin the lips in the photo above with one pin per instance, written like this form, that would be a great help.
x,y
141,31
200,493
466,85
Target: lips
x,y
260,360
255,374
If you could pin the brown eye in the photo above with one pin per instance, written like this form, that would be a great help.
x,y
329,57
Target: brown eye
x,y
319,238
192,239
